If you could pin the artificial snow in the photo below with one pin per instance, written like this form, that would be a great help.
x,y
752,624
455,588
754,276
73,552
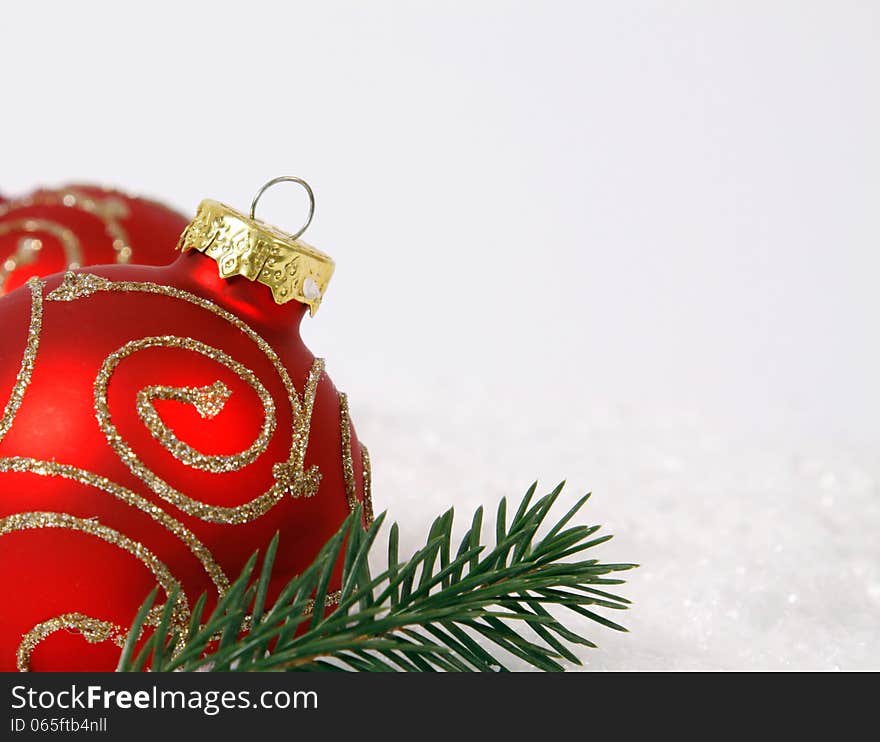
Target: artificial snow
x,y
757,551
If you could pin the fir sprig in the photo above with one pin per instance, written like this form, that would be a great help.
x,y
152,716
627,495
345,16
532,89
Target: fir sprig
x,y
440,610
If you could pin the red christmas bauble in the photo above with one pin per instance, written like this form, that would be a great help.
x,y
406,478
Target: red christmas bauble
x,y
157,426
50,230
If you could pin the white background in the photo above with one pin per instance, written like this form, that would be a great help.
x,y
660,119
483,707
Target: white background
x,y
634,245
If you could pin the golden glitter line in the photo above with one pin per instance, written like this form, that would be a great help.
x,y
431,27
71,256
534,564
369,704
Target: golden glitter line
x,y
290,477
204,399
28,248
301,432
93,631
29,357
33,520
209,401
78,286
347,462
368,485
22,465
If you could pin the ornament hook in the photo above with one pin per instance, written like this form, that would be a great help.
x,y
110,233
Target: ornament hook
x,y
288,179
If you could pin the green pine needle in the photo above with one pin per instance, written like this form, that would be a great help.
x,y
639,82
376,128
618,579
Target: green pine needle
x,y
445,609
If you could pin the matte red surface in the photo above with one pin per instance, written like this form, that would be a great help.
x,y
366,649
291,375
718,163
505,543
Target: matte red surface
x,y
48,572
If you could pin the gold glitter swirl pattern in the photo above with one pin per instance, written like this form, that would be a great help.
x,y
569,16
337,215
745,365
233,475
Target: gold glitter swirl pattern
x,y
216,464
32,345
347,461
29,247
108,209
32,520
23,465
209,402
93,630
290,476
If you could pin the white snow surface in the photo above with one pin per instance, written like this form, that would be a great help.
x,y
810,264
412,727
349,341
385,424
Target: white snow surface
x,y
757,552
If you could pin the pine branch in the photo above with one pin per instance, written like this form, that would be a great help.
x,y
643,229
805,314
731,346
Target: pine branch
x,y
421,615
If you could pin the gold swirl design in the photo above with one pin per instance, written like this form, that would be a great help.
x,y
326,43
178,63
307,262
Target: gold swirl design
x,y
348,464
29,357
93,630
216,464
108,210
24,465
32,520
28,248
290,476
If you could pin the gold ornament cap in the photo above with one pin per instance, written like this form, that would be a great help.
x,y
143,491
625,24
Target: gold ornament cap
x,y
248,247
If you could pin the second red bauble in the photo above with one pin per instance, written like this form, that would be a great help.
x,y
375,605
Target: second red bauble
x,y
49,230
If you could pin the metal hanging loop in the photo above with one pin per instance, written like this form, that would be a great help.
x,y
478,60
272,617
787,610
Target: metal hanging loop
x,y
288,179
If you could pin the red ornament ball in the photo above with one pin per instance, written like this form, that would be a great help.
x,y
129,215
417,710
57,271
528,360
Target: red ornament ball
x,y
157,426
48,231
